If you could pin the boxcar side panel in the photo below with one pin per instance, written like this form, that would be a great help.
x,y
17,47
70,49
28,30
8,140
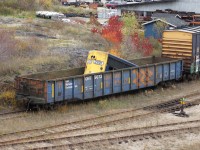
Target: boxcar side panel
x,y
165,72
179,69
172,71
98,85
126,80
150,76
159,73
88,87
69,89
117,82
51,92
108,83
198,51
142,78
59,92
134,79
78,88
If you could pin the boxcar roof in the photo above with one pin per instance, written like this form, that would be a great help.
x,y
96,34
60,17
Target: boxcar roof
x,y
188,29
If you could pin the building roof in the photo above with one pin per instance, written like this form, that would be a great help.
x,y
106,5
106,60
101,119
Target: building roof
x,y
155,20
170,19
191,29
145,2
188,30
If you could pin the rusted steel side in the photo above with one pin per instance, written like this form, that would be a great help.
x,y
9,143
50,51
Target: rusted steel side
x,y
30,87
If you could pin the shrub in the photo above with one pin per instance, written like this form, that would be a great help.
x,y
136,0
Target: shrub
x,y
7,98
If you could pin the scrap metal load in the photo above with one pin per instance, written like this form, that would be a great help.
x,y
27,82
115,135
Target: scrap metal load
x,y
99,61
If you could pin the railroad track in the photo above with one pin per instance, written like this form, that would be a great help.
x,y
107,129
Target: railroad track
x,y
55,131
12,115
112,136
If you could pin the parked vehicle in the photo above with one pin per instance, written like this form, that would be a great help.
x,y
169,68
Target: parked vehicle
x,y
112,4
71,3
49,14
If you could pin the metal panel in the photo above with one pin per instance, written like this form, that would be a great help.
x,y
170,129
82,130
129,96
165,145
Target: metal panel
x,y
134,79
126,80
193,58
142,77
172,71
51,92
197,52
59,91
119,63
107,83
150,76
98,85
165,72
78,88
198,49
69,89
88,87
117,82
179,67
159,74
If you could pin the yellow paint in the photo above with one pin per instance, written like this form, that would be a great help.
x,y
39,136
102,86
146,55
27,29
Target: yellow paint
x,y
101,85
82,89
96,62
129,80
52,93
177,35
182,102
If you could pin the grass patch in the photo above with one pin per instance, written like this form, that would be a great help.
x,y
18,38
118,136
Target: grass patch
x,y
7,98
75,10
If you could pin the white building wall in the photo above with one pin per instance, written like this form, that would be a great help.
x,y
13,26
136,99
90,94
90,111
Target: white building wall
x,y
178,5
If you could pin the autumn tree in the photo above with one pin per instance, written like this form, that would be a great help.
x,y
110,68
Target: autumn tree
x,y
126,37
130,24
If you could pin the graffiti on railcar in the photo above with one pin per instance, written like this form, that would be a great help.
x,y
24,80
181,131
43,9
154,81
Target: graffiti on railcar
x,y
135,80
117,78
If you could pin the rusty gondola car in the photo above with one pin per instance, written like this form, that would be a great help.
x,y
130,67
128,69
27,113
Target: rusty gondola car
x,y
49,88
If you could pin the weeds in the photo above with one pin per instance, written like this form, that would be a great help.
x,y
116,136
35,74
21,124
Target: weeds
x,y
7,98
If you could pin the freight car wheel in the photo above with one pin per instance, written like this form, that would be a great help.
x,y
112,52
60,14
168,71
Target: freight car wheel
x,y
50,107
36,108
189,77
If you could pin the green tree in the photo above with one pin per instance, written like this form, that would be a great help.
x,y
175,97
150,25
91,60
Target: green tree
x,y
131,24
159,27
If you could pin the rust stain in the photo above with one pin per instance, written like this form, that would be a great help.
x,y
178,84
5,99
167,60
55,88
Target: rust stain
x,y
135,80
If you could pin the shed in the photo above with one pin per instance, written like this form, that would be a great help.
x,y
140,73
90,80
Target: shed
x,y
167,21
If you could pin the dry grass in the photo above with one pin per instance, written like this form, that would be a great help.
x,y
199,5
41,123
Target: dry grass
x,y
7,98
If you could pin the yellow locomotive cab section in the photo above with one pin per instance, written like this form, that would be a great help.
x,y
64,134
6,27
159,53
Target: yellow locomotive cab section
x,y
96,62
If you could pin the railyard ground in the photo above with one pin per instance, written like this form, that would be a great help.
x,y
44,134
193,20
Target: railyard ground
x,y
66,46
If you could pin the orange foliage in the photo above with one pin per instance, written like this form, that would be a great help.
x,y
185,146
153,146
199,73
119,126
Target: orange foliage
x,y
115,52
